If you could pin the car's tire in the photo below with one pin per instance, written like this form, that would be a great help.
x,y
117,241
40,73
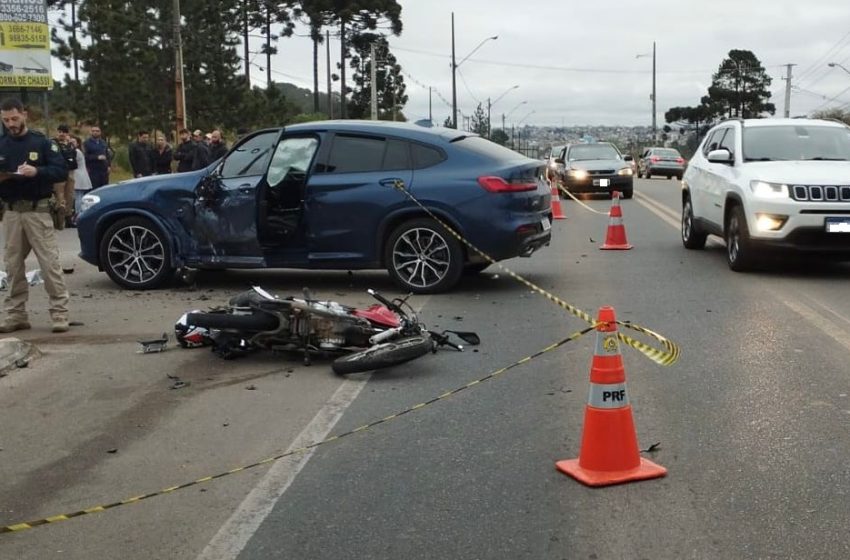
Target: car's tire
x,y
679,176
423,258
384,355
692,238
647,174
629,193
473,269
136,254
670,177
739,250
255,322
639,174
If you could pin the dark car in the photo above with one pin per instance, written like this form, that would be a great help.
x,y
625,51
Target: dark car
x,y
326,195
661,161
597,168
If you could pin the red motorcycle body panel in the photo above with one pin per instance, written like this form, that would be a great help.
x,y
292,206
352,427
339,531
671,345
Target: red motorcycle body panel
x,y
379,315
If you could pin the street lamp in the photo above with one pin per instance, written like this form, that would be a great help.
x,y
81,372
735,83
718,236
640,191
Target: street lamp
x,y
489,105
834,64
455,67
654,122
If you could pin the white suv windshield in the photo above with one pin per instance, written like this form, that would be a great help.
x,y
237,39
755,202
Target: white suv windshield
x,y
796,142
591,151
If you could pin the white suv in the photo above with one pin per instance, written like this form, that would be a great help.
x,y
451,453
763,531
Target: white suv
x,y
768,184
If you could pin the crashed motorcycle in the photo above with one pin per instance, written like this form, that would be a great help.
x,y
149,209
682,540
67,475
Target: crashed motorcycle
x,y
383,335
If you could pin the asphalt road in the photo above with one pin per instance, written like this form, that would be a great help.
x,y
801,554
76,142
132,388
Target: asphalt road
x,y
752,422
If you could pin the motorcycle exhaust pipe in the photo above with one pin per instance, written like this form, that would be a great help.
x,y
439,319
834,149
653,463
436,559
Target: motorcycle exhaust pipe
x,y
384,335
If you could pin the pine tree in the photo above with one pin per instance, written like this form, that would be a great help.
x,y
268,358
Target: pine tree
x,y
390,81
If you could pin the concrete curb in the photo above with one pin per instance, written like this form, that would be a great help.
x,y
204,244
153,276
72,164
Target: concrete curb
x,y
15,353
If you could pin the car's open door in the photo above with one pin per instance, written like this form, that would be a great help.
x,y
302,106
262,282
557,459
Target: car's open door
x,y
226,210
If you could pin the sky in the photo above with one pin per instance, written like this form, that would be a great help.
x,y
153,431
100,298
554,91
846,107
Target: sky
x,y
577,63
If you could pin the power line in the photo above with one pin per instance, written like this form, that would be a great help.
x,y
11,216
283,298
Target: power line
x,y
466,86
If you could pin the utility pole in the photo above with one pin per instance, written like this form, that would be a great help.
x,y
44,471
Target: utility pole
x,y
180,91
430,111
788,90
268,46
454,82
330,91
503,122
654,97
374,78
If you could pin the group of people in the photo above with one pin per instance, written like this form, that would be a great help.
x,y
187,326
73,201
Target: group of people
x,y
88,165
195,151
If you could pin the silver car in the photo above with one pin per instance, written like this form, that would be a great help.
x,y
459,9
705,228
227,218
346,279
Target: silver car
x,y
661,161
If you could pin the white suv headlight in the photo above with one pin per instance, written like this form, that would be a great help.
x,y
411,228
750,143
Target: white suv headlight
x,y
764,189
88,201
625,171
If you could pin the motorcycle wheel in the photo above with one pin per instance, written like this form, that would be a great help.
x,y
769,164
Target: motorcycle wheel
x,y
384,355
227,321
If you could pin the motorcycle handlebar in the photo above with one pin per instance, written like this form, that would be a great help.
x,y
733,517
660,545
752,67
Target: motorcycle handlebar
x,y
383,300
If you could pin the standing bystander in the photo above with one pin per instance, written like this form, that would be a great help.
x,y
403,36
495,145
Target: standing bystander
x,y
218,147
65,190
82,181
30,164
97,158
202,151
185,152
162,156
141,155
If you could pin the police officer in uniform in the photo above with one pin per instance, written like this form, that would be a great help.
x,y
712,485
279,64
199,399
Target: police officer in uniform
x,y
29,166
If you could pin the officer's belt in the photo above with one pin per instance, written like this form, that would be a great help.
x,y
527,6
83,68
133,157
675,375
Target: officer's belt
x,y
41,205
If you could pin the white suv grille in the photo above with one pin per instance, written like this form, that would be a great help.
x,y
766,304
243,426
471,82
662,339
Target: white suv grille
x,y
820,193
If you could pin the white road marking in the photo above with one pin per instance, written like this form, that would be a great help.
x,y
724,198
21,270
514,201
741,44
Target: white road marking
x,y
232,537
237,531
834,330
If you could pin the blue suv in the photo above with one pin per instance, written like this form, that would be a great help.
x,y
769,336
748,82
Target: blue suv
x,y
325,195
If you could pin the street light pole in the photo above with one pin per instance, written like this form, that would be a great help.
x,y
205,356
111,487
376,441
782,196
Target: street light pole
x,y
654,97
834,64
454,80
456,65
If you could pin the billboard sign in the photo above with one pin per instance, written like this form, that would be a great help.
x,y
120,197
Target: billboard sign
x,y
24,45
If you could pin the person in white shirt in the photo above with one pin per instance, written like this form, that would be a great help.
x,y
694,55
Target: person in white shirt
x,y
82,182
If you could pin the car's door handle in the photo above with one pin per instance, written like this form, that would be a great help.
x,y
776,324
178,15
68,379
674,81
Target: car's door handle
x,y
246,188
391,182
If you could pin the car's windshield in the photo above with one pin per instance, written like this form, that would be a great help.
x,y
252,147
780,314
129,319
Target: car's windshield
x,y
796,142
593,151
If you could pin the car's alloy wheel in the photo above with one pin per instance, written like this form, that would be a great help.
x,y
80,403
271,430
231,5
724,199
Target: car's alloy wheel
x,y
691,238
135,254
424,258
738,249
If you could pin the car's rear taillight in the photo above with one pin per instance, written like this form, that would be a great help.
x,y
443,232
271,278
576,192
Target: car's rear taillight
x,y
654,159
680,161
499,185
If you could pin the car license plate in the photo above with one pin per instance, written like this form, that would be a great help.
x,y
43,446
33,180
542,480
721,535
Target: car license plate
x,y
601,182
547,225
838,225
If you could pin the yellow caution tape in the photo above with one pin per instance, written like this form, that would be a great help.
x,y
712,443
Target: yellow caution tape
x,y
665,357
18,527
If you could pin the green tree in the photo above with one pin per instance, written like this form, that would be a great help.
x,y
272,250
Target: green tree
x,y
317,14
390,81
741,87
358,16
499,136
835,113
479,123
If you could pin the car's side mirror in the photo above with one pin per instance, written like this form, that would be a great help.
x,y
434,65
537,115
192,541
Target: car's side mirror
x,y
628,158
559,160
720,156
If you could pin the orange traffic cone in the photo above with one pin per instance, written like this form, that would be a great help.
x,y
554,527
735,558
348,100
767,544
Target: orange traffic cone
x,y
615,238
557,211
609,450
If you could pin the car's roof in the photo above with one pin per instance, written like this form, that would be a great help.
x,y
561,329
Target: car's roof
x,y
787,122
574,144
407,130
